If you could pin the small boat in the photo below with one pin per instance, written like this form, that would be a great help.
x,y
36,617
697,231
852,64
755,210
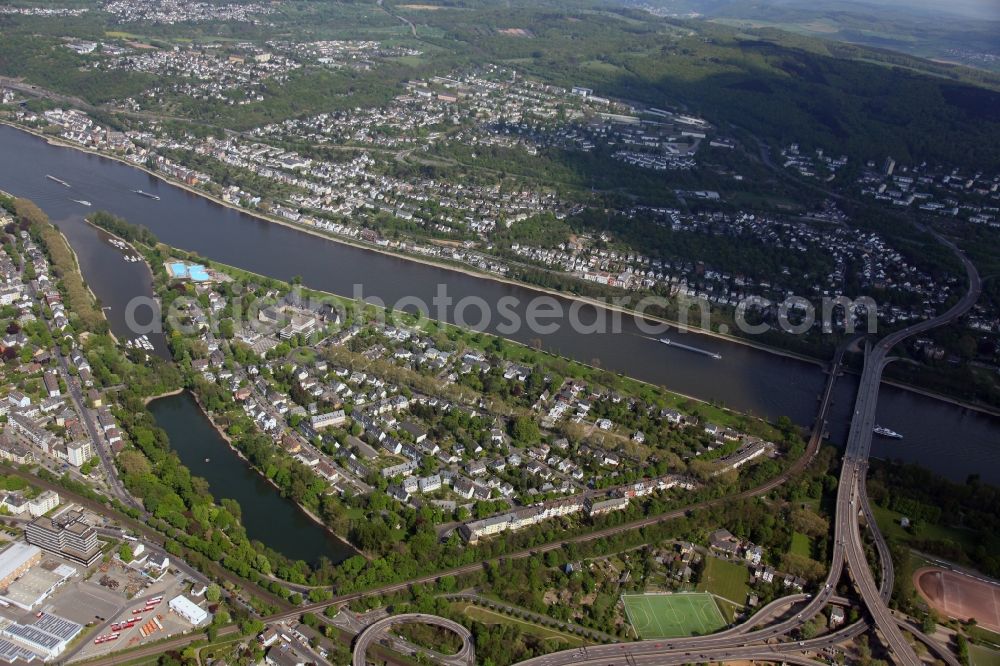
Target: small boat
x,y
208,460
58,180
147,194
886,432
711,354
81,202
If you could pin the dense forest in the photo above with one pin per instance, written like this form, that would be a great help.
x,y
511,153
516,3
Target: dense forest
x,y
133,233
776,86
771,87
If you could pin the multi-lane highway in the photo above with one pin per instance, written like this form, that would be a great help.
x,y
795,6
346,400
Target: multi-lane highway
x,y
740,643
626,656
852,500
851,493
466,655
736,642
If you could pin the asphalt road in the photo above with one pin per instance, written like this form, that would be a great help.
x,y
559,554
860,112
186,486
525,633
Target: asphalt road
x,y
157,649
763,489
465,655
848,547
732,643
738,643
148,533
76,395
851,493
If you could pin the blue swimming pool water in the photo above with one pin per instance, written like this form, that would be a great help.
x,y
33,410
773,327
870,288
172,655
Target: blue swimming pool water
x,y
194,272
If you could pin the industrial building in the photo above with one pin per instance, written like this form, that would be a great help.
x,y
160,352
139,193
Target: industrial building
x,y
17,559
188,610
11,652
37,583
47,637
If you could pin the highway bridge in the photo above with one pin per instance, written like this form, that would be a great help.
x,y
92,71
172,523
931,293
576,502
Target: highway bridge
x,y
770,642
848,551
743,642
852,498
466,655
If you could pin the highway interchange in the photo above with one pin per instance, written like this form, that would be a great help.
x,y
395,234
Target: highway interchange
x,y
852,500
465,656
773,642
741,642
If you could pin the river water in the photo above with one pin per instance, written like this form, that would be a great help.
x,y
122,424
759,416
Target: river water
x,y
268,517
951,440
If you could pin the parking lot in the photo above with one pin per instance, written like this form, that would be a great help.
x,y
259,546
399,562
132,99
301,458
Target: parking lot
x,y
167,587
83,599
84,603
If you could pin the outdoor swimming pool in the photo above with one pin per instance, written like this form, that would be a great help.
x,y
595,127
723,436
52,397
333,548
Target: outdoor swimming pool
x,y
195,272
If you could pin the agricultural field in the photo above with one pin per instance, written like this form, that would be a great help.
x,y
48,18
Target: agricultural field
x,y
673,615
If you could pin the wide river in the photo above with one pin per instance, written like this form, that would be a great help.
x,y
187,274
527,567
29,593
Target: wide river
x,y
951,440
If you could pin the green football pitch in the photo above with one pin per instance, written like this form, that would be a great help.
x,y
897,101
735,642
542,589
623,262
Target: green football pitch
x,y
673,615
